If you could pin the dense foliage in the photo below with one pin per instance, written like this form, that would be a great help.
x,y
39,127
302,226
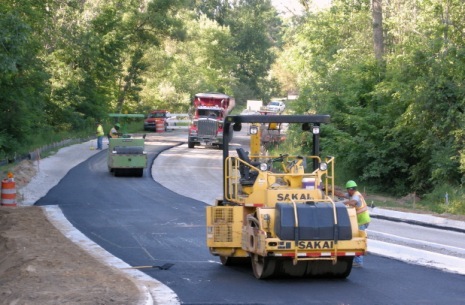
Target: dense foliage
x,y
67,64
397,123
390,74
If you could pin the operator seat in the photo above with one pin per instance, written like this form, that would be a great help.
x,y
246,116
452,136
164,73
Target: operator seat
x,y
248,177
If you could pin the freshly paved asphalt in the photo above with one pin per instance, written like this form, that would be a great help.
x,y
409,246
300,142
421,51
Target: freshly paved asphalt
x,y
143,223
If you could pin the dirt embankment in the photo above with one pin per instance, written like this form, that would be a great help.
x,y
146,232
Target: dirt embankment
x,y
39,265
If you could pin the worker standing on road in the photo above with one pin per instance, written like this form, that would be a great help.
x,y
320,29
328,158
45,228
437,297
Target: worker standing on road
x,y
114,131
100,135
355,199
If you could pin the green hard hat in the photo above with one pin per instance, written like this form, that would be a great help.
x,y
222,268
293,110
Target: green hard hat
x,y
350,184
117,125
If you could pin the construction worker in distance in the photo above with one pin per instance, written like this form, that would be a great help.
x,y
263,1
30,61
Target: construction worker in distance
x,y
114,131
355,199
99,133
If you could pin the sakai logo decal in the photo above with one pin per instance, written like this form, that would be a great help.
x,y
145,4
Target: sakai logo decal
x,y
284,197
315,245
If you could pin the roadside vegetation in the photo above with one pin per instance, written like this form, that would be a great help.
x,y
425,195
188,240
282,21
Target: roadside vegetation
x,y
390,74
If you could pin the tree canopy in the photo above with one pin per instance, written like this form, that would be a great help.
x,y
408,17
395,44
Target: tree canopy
x,y
397,120
390,74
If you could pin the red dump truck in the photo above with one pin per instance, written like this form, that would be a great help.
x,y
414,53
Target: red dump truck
x,y
208,113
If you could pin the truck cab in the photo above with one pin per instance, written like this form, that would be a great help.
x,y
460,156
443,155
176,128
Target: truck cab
x,y
208,112
156,118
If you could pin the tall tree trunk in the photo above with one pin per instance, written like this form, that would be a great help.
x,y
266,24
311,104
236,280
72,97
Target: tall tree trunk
x,y
129,78
378,40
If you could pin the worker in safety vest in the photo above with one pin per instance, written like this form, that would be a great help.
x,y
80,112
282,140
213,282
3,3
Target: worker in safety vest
x,y
354,198
99,133
114,131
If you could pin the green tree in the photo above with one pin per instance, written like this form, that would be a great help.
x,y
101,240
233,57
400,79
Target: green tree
x,y
398,127
202,62
99,63
22,80
255,25
255,28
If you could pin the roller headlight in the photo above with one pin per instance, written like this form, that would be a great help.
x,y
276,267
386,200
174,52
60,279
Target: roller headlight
x,y
263,166
323,166
316,129
253,129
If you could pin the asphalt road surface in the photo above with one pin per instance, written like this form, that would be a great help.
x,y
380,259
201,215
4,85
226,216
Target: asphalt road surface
x,y
143,223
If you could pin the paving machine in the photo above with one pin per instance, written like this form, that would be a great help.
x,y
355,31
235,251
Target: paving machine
x,y
126,153
276,212
126,156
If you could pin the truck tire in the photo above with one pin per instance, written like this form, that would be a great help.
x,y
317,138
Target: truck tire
x,y
190,144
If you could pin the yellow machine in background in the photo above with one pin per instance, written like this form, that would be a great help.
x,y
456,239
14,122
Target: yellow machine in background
x,y
276,210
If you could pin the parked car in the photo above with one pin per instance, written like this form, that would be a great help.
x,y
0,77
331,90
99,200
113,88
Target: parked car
x,y
276,106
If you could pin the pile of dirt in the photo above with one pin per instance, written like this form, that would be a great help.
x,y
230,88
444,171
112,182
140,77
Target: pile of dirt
x,y
24,172
39,265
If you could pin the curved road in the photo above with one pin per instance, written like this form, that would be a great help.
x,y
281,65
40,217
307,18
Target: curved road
x,y
143,223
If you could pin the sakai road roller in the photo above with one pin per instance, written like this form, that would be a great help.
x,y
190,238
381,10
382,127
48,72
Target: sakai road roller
x,y
276,211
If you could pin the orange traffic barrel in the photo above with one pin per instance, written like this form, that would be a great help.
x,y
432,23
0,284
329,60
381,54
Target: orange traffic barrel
x,y
8,193
160,126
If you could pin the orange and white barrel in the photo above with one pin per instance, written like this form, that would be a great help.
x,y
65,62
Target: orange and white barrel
x,y
160,126
8,192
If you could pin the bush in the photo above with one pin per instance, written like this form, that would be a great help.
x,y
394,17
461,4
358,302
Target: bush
x,y
446,199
